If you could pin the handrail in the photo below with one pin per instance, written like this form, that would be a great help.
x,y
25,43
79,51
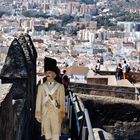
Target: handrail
x,y
77,122
84,121
90,131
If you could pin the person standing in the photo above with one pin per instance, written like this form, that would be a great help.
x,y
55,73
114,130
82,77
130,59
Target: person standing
x,y
119,72
50,102
97,67
124,69
65,81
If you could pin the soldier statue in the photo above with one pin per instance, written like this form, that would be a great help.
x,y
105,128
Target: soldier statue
x,y
50,102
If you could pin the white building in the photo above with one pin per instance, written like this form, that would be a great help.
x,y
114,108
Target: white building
x,y
86,35
129,26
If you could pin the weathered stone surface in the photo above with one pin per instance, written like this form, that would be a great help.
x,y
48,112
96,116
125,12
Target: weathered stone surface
x,y
32,47
99,133
4,90
131,76
27,52
102,81
30,55
107,72
33,75
120,117
109,100
104,90
15,66
22,120
22,58
19,89
6,113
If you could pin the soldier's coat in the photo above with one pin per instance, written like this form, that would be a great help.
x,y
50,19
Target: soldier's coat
x,y
47,113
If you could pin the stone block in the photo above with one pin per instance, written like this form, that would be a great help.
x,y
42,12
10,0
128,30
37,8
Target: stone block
x,y
6,113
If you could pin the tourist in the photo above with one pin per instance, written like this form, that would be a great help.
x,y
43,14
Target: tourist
x,y
119,72
65,81
125,68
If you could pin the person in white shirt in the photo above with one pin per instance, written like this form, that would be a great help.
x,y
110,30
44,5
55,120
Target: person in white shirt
x,y
124,69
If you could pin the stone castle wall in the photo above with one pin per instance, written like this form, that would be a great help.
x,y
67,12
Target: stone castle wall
x,y
20,70
120,117
104,90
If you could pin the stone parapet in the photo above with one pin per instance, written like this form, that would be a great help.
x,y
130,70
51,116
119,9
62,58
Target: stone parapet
x,y
20,70
120,117
131,76
104,90
6,112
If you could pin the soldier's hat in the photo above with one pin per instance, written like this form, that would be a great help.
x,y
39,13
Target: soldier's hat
x,y
50,64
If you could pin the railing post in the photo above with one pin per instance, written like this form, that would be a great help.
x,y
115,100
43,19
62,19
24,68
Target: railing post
x,y
70,116
84,133
78,104
81,126
91,135
68,108
78,130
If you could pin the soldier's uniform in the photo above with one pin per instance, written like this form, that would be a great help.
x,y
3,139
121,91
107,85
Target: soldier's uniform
x,y
50,109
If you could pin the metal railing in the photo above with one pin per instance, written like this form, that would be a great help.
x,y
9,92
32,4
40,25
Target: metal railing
x,y
79,120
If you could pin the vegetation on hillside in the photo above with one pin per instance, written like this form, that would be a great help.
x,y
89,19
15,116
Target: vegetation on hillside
x,y
108,23
34,14
129,17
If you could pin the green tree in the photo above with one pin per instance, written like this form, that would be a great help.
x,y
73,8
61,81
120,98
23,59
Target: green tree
x,y
66,19
2,13
34,14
